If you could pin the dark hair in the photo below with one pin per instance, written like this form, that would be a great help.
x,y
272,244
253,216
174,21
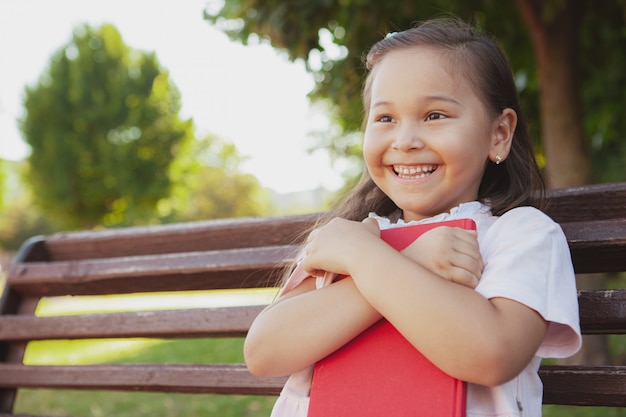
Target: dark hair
x,y
515,182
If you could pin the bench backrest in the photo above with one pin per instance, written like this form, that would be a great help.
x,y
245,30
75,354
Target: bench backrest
x,y
243,253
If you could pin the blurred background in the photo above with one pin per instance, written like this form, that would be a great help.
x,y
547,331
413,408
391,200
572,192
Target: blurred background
x,y
138,112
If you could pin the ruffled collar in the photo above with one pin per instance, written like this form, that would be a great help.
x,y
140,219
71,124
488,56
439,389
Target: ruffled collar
x,y
471,209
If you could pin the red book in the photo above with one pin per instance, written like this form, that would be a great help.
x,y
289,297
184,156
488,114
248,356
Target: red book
x,y
379,373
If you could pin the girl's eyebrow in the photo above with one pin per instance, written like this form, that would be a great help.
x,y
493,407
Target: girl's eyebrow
x,y
432,98
380,103
447,99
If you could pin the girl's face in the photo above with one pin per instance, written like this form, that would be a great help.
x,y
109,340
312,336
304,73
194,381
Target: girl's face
x,y
428,135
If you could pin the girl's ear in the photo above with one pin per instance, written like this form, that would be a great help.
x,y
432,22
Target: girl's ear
x,y
502,135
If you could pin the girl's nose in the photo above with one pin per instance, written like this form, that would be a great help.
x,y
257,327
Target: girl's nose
x,y
407,140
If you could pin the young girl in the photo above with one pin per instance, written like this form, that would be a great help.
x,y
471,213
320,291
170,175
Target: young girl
x,y
444,139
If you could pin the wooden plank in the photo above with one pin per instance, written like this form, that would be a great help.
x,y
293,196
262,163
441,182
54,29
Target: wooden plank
x,y
584,385
603,311
588,202
181,378
176,238
227,269
199,322
597,246
566,385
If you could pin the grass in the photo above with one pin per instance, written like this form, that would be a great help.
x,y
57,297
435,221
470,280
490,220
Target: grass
x,y
569,411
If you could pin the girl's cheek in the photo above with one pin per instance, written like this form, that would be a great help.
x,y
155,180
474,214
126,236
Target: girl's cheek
x,y
368,154
374,148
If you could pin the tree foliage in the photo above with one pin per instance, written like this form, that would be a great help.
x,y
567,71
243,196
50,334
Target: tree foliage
x,y
332,36
603,81
20,221
20,218
103,127
210,184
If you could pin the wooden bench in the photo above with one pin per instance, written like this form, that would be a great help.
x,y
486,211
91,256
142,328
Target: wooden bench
x,y
240,253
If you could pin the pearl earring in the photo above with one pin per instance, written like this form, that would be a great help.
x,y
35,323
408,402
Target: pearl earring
x,y
498,159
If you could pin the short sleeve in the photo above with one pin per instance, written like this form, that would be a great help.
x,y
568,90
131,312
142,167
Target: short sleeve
x,y
527,259
297,276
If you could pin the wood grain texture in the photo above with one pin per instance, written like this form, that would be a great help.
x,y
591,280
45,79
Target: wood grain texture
x,y
199,322
197,270
181,378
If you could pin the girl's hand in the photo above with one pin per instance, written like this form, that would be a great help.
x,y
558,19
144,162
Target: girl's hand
x,y
449,252
336,245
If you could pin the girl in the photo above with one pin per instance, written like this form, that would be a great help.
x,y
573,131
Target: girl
x,y
444,139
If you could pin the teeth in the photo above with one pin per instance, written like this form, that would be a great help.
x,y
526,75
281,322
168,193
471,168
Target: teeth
x,y
419,171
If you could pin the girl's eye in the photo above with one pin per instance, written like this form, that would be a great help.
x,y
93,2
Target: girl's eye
x,y
435,116
385,119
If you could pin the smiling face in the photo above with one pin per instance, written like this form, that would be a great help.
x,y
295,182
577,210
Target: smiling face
x,y
428,136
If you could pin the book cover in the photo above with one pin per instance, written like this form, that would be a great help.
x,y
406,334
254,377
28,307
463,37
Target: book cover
x,y
379,373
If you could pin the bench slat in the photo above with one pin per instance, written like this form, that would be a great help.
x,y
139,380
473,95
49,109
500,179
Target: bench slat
x,y
181,378
587,202
198,322
227,269
597,246
176,238
600,386
602,311
581,385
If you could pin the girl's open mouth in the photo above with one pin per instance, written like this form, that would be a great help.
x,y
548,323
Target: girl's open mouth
x,y
414,171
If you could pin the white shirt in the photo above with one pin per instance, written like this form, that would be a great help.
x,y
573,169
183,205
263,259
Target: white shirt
x,y
526,259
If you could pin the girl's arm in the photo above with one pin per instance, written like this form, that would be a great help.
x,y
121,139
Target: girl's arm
x,y
305,325
474,339
301,328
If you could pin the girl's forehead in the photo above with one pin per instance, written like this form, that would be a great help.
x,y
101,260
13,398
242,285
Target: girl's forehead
x,y
421,58
428,67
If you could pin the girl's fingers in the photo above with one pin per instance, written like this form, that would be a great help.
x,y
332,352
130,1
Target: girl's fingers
x,y
467,245
470,264
462,276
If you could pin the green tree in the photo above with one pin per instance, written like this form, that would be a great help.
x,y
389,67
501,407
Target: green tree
x,y
20,221
563,52
19,218
210,184
103,126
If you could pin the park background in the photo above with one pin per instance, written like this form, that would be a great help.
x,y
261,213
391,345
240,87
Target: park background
x,y
257,112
